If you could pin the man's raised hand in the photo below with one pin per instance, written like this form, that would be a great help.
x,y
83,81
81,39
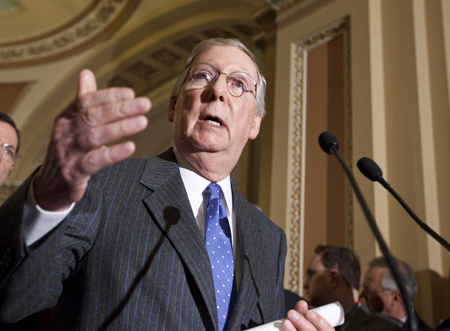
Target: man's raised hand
x,y
77,145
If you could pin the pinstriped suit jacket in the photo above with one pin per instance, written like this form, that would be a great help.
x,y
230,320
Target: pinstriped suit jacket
x,y
130,256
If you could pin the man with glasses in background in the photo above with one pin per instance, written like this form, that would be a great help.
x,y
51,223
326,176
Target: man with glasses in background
x,y
10,143
166,243
382,295
333,274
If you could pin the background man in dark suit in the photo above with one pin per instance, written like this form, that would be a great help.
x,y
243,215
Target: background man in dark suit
x,y
333,275
128,253
9,144
381,293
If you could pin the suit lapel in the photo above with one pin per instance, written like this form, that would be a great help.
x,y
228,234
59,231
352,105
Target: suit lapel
x,y
249,231
169,206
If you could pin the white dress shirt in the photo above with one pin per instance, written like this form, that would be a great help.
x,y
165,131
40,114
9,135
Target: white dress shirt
x,y
195,185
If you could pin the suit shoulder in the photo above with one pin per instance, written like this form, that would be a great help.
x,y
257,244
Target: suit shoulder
x,y
370,320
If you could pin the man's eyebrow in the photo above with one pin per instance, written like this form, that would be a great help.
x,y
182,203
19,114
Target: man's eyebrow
x,y
9,145
240,69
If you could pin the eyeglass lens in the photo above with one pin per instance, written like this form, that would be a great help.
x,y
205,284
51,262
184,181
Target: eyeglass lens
x,y
8,152
238,82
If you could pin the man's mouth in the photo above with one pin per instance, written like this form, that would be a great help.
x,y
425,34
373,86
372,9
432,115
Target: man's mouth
x,y
213,121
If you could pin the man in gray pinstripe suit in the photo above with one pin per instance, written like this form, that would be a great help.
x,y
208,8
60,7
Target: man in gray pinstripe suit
x,y
117,243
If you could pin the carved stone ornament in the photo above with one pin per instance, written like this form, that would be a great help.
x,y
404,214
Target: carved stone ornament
x,y
304,5
94,24
297,122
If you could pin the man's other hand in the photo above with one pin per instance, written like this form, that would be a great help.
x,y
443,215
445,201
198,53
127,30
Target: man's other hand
x,y
312,321
77,147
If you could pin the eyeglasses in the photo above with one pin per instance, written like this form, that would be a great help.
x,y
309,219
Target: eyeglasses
x,y
369,292
310,273
203,75
8,152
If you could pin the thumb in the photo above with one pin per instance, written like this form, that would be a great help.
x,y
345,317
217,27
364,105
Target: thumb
x,y
86,82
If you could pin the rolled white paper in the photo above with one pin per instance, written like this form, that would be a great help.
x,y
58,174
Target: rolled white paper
x,y
333,313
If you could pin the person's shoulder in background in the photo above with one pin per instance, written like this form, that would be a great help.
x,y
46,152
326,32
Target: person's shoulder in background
x,y
444,326
290,300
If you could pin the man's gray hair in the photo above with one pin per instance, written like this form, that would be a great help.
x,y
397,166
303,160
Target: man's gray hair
x,y
234,43
387,280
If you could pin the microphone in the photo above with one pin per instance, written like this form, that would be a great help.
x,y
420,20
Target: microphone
x,y
328,140
330,145
371,170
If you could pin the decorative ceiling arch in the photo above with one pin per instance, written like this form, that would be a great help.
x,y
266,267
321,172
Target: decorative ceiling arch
x,y
71,33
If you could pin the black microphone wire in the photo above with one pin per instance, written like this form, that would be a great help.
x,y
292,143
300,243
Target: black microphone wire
x,y
372,171
330,145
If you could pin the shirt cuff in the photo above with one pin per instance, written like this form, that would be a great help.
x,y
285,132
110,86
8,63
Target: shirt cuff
x,y
37,222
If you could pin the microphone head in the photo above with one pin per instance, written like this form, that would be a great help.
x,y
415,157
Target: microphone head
x,y
370,169
326,140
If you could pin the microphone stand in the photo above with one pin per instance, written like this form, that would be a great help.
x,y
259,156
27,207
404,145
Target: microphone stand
x,y
424,226
392,263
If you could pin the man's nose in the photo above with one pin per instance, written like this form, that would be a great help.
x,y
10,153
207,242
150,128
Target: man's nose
x,y
219,88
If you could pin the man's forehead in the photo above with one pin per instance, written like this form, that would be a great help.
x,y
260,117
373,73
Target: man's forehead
x,y
8,134
316,261
228,56
373,274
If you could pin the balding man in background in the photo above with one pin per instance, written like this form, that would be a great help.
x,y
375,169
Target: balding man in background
x,y
382,295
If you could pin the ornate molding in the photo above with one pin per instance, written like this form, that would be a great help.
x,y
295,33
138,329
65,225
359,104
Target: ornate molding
x,y
283,4
95,24
296,227
280,5
265,18
290,11
296,196
12,11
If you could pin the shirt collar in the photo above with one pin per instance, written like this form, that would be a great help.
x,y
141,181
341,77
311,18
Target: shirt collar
x,y
196,184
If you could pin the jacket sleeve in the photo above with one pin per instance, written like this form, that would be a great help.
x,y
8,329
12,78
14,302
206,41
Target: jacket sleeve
x,y
31,278
12,247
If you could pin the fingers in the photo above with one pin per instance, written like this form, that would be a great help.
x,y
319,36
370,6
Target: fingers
x,y
101,97
101,117
86,82
114,111
301,306
96,137
91,103
102,157
309,322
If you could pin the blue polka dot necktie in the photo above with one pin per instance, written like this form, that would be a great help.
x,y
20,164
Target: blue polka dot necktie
x,y
218,245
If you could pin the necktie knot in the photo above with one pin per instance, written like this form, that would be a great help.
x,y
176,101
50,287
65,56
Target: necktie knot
x,y
213,191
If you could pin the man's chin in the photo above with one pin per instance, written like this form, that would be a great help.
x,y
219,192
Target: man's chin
x,y
208,146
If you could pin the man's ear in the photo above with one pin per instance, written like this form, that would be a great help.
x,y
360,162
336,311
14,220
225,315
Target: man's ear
x,y
335,278
396,297
255,127
171,109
